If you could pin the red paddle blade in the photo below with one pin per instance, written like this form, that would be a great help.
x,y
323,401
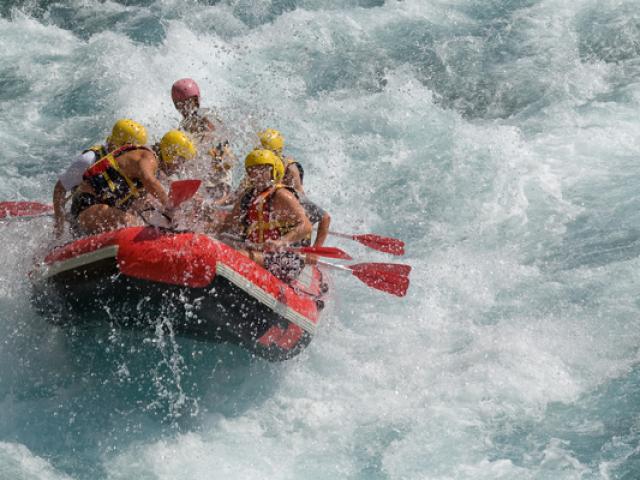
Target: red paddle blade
x,y
384,281
183,190
329,252
380,243
382,268
24,209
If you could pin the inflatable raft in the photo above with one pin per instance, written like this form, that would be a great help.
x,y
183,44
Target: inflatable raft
x,y
208,290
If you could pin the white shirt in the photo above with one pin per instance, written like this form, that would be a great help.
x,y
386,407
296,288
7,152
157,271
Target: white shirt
x,y
72,176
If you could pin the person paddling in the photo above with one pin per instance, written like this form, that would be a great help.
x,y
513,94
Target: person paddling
x,y
124,131
105,199
293,178
268,217
206,130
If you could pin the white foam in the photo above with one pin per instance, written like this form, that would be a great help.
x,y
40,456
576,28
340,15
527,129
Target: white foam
x,y
17,462
518,210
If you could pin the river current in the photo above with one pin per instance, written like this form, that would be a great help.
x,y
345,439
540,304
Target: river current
x,y
499,138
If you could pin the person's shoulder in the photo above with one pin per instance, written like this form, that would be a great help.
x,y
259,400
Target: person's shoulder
x,y
147,154
141,155
84,158
285,193
137,150
291,163
89,154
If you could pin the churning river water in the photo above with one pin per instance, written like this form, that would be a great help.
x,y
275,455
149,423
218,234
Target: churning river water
x,y
499,138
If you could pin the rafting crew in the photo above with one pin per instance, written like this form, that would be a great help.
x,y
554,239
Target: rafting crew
x,y
124,131
270,213
113,189
206,129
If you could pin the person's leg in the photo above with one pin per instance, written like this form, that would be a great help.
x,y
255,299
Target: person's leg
x,y
100,218
287,266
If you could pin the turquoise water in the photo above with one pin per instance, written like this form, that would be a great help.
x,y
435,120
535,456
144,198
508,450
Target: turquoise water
x,y
499,138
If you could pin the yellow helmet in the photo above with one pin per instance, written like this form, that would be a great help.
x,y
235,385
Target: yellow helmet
x,y
272,139
176,144
266,157
127,131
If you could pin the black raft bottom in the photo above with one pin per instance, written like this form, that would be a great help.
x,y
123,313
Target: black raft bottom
x,y
220,312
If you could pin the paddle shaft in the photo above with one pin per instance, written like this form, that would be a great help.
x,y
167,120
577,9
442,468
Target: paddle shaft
x,y
389,245
334,266
331,252
341,235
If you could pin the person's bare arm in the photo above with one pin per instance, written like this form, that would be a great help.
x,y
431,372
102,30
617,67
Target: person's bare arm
x,y
147,168
293,178
287,209
59,199
323,230
206,125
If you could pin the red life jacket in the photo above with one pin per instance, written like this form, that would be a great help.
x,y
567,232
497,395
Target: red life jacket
x,y
259,225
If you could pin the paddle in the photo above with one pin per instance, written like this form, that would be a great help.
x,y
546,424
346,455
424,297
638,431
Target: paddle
x,y
390,245
182,190
24,209
330,252
387,277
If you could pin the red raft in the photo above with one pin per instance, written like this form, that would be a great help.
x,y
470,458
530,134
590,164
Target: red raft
x,y
208,290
